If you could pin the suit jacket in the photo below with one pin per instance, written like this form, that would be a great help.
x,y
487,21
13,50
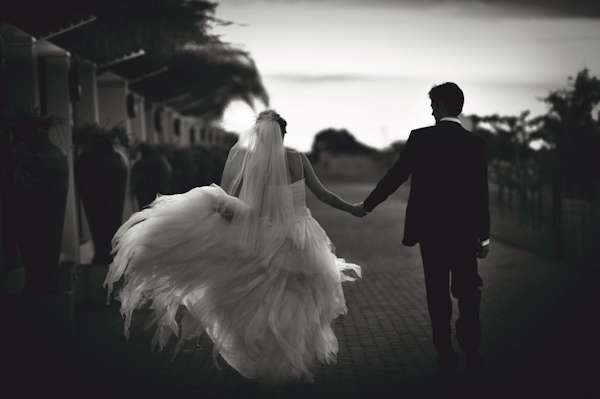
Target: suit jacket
x,y
449,186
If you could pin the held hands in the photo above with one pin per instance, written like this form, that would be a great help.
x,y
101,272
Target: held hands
x,y
358,210
482,251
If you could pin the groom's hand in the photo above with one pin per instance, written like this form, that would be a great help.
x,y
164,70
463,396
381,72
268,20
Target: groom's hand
x,y
359,210
483,251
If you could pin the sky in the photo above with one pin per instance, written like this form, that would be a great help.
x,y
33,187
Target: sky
x,y
367,66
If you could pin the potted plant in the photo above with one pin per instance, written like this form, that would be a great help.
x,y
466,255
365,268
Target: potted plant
x,y
183,170
150,174
34,182
101,179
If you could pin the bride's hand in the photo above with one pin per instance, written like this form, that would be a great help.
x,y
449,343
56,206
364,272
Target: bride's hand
x,y
358,210
227,215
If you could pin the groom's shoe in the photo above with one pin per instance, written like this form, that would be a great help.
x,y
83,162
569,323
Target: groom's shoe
x,y
448,362
474,359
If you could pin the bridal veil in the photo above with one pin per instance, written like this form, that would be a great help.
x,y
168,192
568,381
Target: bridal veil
x,y
257,173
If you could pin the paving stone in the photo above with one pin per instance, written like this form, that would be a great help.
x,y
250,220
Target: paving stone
x,y
536,320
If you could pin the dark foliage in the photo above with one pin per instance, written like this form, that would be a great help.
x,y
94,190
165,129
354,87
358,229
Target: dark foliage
x,y
165,169
200,74
571,131
160,27
150,175
338,141
21,130
96,138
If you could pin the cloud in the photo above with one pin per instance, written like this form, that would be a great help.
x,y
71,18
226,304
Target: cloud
x,y
535,8
321,78
507,8
569,39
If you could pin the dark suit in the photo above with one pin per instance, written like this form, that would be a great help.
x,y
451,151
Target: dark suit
x,y
447,214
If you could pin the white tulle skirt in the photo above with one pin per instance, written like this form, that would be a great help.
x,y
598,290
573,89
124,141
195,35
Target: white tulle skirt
x,y
269,316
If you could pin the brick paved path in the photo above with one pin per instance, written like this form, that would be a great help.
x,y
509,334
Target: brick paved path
x,y
536,341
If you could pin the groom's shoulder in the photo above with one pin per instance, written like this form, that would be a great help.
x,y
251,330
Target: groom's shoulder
x,y
475,136
422,130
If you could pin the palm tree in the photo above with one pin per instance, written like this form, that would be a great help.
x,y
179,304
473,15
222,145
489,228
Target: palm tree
x,y
203,74
203,80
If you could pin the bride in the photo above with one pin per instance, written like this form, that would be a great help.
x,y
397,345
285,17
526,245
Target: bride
x,y
245,262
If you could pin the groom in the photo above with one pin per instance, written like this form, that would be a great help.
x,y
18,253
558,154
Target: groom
x,y
448,216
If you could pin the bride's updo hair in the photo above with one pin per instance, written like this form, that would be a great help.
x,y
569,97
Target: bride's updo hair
x,y
271,115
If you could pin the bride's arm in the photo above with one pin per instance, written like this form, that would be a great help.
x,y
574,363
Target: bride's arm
x,y
324,195
228,208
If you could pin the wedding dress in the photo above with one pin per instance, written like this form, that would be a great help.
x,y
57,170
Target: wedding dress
x,y
265,296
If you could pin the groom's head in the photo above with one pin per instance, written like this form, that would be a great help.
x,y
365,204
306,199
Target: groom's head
x,y
447,99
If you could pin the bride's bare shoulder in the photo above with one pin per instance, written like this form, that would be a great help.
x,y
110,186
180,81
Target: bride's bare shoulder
x,y
296,155
292,153
296,165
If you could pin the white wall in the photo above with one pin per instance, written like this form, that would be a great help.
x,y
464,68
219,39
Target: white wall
x,y
56,63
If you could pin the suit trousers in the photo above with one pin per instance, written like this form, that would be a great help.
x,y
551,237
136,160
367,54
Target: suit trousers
x,y
450,266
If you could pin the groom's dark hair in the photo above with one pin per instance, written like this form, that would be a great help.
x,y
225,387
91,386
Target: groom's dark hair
x,y
450,95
